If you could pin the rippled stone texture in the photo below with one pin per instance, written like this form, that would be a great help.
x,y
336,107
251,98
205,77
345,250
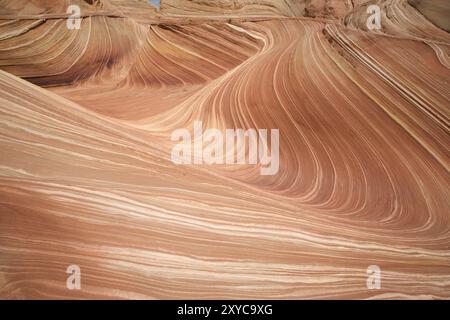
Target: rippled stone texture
x,y
86,176
437,11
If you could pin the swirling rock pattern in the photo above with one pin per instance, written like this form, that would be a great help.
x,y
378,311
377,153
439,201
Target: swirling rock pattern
x,y
86,177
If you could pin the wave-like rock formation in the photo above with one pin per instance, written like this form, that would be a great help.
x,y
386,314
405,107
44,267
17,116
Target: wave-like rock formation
x,y
437,11
398,19
268,8
86,176
139,10
233,7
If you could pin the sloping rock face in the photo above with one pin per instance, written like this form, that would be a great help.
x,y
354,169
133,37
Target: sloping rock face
x,y
130,8
437,11
30,7
86,176
233,7
333,8
290,8
400,19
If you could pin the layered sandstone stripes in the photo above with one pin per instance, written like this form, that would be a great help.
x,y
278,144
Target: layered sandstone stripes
x,y
86,176
436,11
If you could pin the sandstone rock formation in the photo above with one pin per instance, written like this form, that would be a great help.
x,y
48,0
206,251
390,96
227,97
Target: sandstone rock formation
x,y
437,11
290,8
86,176
137,9
233,7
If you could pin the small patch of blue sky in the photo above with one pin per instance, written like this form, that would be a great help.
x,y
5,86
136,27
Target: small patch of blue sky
x,y
156,3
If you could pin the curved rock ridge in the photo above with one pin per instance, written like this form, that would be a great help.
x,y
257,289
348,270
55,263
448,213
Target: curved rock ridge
x,y
400,19
74,55
289,8
233,7
86,176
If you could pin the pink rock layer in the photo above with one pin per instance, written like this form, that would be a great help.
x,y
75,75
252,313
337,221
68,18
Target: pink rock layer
x,y
86,176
